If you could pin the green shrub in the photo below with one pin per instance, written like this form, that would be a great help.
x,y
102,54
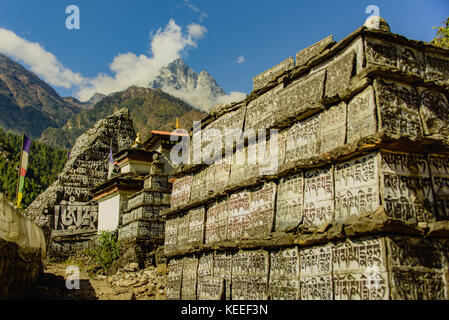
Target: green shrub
x,y
107,251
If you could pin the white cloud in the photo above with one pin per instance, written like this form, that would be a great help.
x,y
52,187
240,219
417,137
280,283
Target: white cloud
x,y
167,45
240,59
40,61
127,69
203,15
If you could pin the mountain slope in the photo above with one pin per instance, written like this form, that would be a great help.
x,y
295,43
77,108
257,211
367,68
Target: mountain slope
x,y
198,89
150,110
28,104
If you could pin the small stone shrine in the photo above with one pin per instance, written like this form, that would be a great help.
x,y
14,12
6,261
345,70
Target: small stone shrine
x,y
357,206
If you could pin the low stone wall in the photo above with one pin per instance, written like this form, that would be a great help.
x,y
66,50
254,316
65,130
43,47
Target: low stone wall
x,y
22,248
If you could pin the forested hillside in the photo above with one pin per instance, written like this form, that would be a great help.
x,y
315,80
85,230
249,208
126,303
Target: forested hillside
x,y
45,163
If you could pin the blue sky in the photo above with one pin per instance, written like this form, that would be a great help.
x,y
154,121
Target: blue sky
x,y
262,33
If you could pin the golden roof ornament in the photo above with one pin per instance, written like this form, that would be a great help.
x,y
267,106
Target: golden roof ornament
x,y
177,124
138,140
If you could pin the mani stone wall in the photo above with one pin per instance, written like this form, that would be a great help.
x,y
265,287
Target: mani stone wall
x,y
358,204
65,207
22,250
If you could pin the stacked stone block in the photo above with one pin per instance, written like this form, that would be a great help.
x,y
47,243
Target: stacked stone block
x,y
356,207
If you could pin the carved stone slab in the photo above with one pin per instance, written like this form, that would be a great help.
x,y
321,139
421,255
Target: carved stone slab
x,y
206,265
289,210
415,252
305,55
210,288
223,269
398,107
238,166
439,169
361,286
264,78
217,221
317,287
181,191
434,112
406,186
302,95
183,231
196,226
411,284
261,112
221,170
284,275
359,256
333,128
437,66
339,74
238,221
174,279
189,278
319,196
362,115
250,275
302,140
381,52
316,273
356,187
261,215
411,60
360,270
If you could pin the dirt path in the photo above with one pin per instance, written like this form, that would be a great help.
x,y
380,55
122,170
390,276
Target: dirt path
x,y
128,284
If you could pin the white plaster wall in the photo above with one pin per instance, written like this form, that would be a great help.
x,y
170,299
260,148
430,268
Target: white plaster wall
x,y
108,214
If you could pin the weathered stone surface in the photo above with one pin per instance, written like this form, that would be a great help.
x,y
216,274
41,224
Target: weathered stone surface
x,y
261,214
250,275
86,168
223,269
406,187
189,278
360,270
197,218
362,116
183,231
225,126
439,169
339,74
174,279
264,78
261,112
238,221
181,191
319,196
316,273
284,275
437,66
411,60
333,128
210,288
305,55
302,96
302,139
217,221
356,187
398,107
412,284
290,199
171,235
380,52
434,112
